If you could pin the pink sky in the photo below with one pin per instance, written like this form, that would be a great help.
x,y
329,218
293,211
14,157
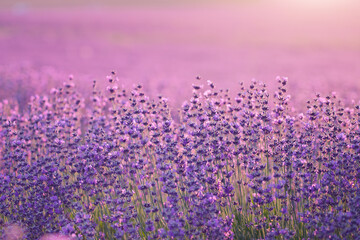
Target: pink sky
x,y
317,45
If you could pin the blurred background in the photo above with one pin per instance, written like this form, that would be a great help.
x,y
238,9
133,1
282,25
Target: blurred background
x,y
165,44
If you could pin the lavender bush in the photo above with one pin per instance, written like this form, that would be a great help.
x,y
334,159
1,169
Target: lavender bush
x,y
121,166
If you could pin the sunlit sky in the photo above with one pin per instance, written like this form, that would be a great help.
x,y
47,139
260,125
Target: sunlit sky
x,y
58,3
316,43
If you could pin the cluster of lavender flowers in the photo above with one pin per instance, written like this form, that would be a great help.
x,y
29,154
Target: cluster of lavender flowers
x,y
118,166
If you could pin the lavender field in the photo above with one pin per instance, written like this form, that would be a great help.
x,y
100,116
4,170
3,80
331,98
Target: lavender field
x,y
110,128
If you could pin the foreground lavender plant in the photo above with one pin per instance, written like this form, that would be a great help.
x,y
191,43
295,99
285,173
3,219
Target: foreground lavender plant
x,y
120,167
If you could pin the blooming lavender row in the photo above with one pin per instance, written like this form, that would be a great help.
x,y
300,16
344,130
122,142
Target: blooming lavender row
x,y
118,166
